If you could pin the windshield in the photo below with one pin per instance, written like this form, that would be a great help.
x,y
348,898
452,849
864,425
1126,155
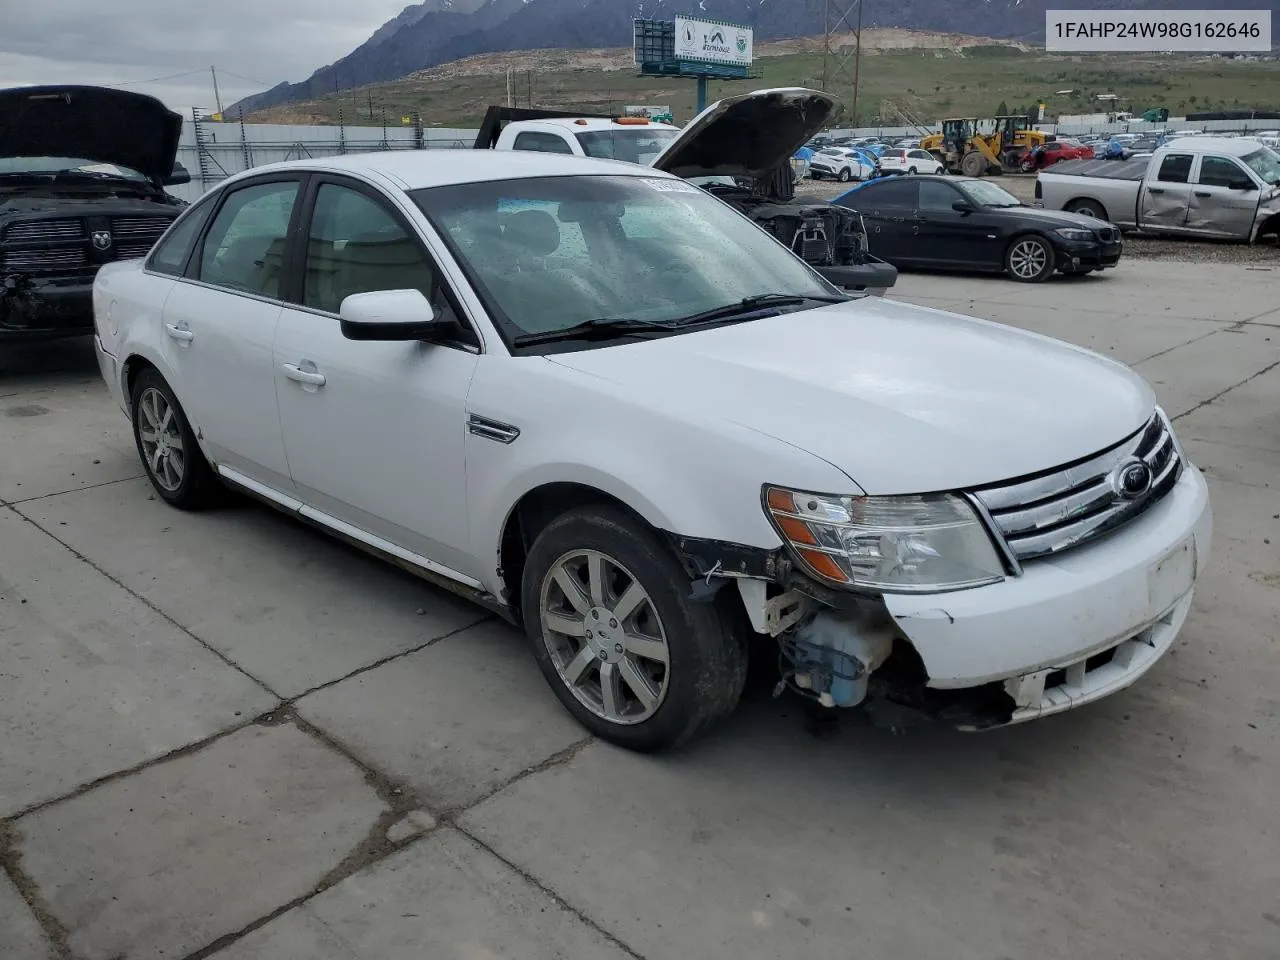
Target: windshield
x,y
1265,163
986,194
635,145
47,165
550,253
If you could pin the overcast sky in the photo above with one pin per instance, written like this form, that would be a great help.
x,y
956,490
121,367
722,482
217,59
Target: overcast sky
x,y
124,41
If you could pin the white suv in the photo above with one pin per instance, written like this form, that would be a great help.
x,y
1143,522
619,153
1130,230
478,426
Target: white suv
x,y
600,401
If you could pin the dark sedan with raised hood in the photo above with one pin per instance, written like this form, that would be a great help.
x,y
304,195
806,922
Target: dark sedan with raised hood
x,y
82,178
962,223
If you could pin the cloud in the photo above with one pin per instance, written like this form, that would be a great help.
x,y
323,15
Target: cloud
x,y
253,43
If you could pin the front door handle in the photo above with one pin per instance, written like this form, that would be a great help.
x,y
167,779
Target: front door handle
x,y
1155,189
178,333
294,372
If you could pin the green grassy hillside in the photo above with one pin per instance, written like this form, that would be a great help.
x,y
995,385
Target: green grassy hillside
x,y
929,83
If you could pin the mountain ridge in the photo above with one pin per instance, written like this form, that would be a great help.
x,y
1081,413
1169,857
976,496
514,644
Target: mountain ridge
x,y
436,32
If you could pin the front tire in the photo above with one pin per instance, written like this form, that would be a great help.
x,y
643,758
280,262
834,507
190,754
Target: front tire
x,y
845,175
167,445
617,636
1030,259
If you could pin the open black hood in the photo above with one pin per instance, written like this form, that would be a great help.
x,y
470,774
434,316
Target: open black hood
x,y
94,123
749,135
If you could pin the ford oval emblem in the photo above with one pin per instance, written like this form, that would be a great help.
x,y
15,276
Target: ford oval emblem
x,y
1132,479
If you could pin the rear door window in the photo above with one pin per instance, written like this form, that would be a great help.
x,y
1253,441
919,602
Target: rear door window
x,y
1175,168
244,248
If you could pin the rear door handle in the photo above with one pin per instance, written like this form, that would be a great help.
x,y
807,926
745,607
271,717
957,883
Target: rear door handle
x,y
178,333
1203,193
294,372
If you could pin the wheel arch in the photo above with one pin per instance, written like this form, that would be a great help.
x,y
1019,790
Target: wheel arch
x,y
1086,199
534,509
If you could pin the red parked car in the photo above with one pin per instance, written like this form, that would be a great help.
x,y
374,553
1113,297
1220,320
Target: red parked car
x,y
1054,151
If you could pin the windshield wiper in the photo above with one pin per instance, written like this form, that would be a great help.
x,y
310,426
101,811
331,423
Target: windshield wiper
x,y
748,305
597,329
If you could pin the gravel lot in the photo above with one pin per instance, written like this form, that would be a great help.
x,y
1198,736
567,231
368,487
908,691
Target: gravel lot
x,y
225,736
1137,247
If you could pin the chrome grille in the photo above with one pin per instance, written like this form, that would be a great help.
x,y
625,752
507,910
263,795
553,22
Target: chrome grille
x,y
132,251
129,228
44,259
45,231
1054,511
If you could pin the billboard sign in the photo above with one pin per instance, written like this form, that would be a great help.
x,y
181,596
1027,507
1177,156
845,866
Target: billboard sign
x,y
713,41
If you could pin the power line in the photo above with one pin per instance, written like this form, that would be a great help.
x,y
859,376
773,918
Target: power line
x,y
241,76
175,76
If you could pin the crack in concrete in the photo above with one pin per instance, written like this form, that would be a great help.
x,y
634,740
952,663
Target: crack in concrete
x,y
147,603
63,493
552,895
11,866
1222,393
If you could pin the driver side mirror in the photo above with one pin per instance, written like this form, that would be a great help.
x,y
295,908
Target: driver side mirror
x,y
391,315
962,206
177,176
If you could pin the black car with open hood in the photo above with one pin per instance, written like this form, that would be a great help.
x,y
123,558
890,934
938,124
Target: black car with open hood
x,y
82,177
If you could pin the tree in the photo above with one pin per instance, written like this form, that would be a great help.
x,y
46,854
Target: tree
x,y
1002,110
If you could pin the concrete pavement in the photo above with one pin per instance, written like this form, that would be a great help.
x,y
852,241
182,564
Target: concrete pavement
x,y
224,735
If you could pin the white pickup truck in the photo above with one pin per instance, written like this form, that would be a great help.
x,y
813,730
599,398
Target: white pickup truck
x,y
1193,186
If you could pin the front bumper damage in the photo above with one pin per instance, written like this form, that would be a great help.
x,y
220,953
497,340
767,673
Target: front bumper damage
x,y
39,308
1067,631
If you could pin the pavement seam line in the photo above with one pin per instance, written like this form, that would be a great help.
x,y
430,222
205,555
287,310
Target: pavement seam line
x,y
390,658
175,754
399,799
147,603
551,894
63,493
29,891
1222,393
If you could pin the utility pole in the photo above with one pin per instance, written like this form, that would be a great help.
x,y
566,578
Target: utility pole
x,y
857,62
217,97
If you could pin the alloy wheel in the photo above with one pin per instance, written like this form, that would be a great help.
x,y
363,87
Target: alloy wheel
x,y
1028,259
605,637
161,439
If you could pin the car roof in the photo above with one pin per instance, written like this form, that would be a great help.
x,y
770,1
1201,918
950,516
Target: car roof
x,y
1228,145
581,124
417,169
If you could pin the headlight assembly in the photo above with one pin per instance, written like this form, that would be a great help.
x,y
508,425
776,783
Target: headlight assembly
x,y
1069,233
911,544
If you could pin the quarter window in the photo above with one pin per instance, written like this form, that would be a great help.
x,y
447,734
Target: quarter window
x,y
1175,168
172,252
542,143
355,245
244,249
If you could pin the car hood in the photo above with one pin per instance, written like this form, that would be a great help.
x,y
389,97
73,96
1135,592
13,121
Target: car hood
x,y
750,135
903,399
1053,219
94,123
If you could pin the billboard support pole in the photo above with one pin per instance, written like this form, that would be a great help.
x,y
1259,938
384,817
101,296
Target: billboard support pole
x,y
702,92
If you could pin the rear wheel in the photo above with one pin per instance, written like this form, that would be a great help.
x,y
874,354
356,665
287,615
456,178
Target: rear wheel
x,y
911,170
1030,259
167,446
1089,208
615,632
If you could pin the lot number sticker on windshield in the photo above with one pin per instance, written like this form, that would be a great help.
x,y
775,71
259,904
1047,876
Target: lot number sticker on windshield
x,y
671,186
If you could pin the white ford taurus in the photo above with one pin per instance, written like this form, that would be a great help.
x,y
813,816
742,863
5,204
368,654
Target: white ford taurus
x,y
600,401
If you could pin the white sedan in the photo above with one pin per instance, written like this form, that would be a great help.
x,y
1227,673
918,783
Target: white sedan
x,y
898,160
598,400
